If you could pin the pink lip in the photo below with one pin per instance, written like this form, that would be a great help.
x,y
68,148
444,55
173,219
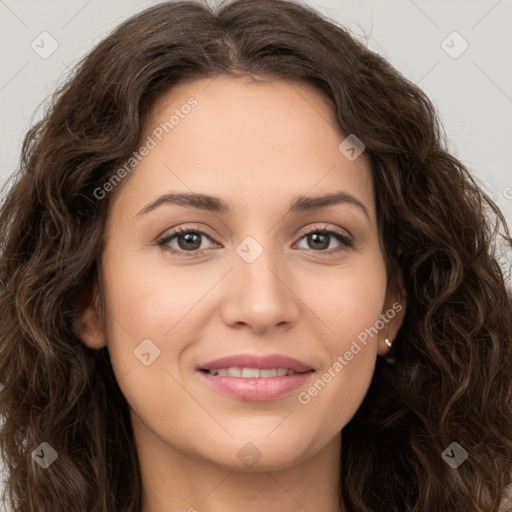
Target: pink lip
x,y
257,361
257,389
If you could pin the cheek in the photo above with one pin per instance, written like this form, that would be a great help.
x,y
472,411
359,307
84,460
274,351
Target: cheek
x,y
348,300
149,299
148,311
143,309
350,307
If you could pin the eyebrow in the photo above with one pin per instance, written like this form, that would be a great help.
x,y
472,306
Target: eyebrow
x,y
218,205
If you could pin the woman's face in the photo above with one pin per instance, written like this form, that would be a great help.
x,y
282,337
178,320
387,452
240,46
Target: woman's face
x,y
244,281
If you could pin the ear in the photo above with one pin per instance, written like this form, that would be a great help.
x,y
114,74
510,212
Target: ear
x,y
89,326
393,314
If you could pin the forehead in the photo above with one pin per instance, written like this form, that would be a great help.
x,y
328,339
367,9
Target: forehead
x,y
245,140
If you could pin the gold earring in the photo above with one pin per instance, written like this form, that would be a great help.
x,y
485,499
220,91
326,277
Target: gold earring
x,y
388,342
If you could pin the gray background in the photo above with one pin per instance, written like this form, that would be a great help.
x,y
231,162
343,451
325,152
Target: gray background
x,y
472,92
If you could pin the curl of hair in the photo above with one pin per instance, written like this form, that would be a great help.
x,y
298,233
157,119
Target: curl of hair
x,y
451,379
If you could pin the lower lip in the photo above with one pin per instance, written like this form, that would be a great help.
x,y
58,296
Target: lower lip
x,y
258,389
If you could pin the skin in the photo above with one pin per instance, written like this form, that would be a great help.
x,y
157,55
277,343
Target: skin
x,y
257,146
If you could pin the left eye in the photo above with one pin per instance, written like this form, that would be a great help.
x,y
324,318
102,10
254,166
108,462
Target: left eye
x,y
189,240
320,236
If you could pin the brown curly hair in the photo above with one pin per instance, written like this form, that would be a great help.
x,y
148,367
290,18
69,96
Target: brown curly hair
x,y
451,379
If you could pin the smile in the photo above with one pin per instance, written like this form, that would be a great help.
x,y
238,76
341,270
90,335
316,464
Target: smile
x,y
251,373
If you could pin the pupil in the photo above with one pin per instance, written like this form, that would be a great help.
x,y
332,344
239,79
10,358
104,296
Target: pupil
x,y
188,237
315,236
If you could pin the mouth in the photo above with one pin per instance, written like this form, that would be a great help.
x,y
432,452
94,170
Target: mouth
x,y
252,373
250,363
255,377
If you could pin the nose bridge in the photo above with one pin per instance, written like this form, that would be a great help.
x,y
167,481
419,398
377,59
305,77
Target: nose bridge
x,y
256,268
260,295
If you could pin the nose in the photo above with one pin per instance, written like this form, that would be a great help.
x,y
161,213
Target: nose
x,y
260,295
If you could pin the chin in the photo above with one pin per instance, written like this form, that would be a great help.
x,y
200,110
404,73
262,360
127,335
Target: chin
x,y
260,455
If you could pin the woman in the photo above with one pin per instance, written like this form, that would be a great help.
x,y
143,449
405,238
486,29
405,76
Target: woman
x,y
241,271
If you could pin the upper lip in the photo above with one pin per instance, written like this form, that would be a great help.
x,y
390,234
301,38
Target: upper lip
x,y
262,362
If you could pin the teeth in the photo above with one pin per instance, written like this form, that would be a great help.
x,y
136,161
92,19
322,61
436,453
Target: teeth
x,y
268,373
247,373
251,373
234,372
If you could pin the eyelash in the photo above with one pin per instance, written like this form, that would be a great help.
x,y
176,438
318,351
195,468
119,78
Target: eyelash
x,y
345,241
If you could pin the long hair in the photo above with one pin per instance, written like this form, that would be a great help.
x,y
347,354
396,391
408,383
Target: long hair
x,y
451,379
